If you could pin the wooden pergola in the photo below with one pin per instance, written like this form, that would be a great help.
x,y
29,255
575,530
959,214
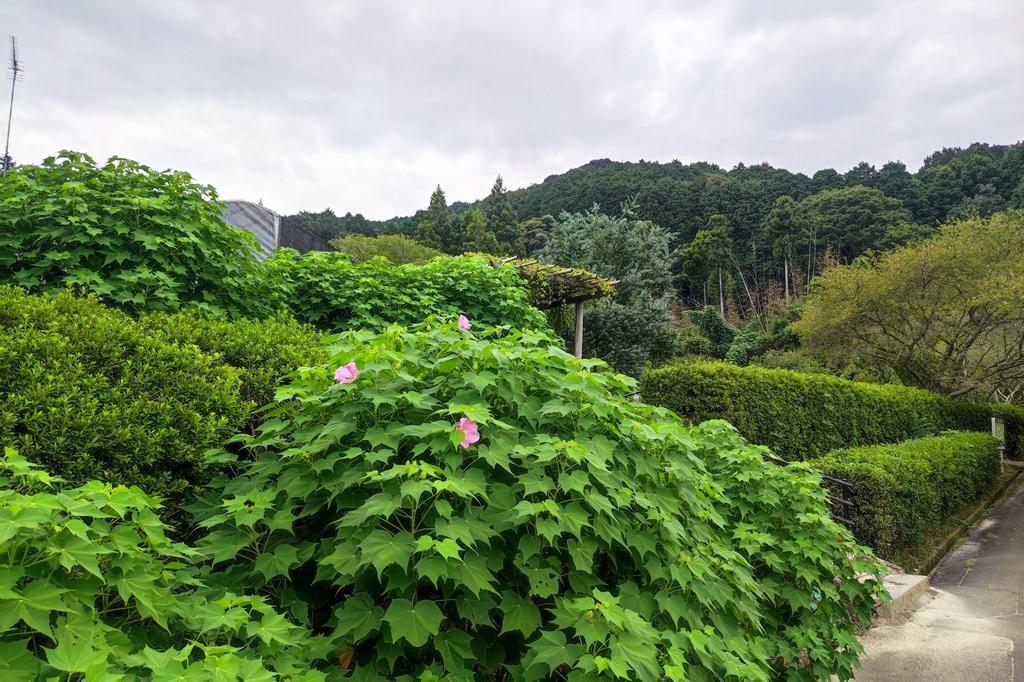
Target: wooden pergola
x,y
554,286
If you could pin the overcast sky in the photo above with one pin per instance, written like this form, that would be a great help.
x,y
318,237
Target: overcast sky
x,y
366,106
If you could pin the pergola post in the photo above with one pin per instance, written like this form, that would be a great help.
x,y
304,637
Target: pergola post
x,y
578,342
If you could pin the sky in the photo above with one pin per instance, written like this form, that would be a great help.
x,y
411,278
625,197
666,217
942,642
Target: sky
x,y
367,106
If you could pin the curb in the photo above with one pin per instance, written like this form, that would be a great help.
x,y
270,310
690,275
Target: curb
x,y
927,567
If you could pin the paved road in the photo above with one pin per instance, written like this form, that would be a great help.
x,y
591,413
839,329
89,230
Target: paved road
x,y
971,624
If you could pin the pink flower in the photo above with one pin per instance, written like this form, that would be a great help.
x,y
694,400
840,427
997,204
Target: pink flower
x,y
469,432
346,374
464,322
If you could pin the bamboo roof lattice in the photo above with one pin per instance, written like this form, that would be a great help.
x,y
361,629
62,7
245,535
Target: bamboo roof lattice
x,y
552,286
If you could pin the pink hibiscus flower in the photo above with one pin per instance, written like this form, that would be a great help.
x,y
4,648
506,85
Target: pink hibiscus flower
x,y
346,374
464,322
469,432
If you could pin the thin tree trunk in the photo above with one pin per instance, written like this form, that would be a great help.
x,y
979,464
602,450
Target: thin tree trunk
x,y
721,294
785,276
705,293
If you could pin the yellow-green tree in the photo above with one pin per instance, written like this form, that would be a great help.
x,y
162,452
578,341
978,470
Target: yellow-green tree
x,y
946,315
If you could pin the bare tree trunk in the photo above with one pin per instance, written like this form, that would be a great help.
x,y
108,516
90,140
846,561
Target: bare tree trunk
x,y
785,276
721,294
705,293
753,308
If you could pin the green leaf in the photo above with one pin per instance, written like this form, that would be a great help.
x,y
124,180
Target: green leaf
x,y
474,574
34,605
357,617
552,651
75,655
413,623
518,614
382,549
17,664
455,647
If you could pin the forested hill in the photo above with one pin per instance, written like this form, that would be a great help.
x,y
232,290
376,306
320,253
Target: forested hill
x,y
681,197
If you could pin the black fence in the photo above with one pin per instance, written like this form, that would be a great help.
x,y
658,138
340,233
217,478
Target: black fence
x,y
294,235
840,499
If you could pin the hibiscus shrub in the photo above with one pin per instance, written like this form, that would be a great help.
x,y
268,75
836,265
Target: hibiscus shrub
x,y
329,291
92,588
478,504
140,239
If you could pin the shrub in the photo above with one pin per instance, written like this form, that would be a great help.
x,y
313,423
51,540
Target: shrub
x,y
629,337
91,394
136,238
584,535
746,345
904,491
807,415
332,293
397,248
718,333
264,351
91,587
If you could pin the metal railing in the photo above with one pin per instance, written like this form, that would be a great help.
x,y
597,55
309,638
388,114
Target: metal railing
x,y
840,499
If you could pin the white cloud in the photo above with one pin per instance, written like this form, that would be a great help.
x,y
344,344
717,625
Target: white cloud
x,y
366,106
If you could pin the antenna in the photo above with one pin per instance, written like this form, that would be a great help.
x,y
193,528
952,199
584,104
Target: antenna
x,y
15,76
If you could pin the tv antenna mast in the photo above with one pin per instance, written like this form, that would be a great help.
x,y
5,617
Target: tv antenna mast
x,y
15,76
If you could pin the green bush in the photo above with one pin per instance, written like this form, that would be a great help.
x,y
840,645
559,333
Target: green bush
x,y
397,248
92,588
628,337
904,491
715,334
332,293
91,394
584,536
801,416
136,238
264,351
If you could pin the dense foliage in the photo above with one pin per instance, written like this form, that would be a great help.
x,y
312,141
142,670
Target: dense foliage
x,y
264,351
869,208
905,491
946,315
397,248
91,394
329,291
137,238
478,504
633,329
92,588
801,416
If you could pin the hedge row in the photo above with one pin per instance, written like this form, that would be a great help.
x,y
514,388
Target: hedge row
x,y
905,490
801,416
90,393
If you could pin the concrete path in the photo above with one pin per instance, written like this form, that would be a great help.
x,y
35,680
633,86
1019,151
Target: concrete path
x,y
970,625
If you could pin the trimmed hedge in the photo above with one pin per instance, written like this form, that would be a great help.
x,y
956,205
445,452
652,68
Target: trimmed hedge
x,y
263,351
801,416
90,393
904,490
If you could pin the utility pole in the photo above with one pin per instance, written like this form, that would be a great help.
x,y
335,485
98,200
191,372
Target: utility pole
x,y
16,71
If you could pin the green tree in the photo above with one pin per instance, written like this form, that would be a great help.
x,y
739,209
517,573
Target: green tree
x,y
479,239
711,251
784,228
851,220
502,221
634,329
946,315
437,229
536,232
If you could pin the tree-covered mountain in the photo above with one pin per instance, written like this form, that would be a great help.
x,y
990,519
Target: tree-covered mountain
x,y
722,224
952,182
